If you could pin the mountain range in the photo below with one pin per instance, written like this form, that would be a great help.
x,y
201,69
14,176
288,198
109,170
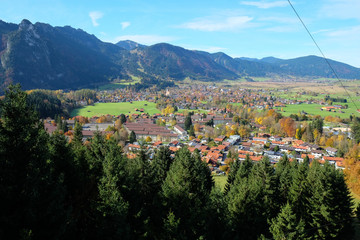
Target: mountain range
x,y
42,56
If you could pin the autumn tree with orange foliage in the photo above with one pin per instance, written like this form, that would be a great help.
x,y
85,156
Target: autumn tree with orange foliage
x,y
288,126
352,168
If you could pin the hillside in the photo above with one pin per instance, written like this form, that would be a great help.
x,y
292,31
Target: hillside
x,y
41,56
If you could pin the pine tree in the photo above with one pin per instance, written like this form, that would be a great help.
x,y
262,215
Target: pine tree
x,y
112,206
234,167
355,131
141,193
122,118
188,122
283,173
191,131
78,136
31,202
263,175
299,191
245,168
245,214
286,226
161,164
132,137
186,191
330,203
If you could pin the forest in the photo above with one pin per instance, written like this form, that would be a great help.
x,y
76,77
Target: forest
x,y
55,188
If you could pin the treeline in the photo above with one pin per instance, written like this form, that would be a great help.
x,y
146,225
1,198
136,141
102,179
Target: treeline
x,y
328,98
149,82
52,103
52,188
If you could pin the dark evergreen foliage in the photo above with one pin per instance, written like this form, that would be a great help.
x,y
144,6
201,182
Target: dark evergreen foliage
x,y
188,122
132,137
53,188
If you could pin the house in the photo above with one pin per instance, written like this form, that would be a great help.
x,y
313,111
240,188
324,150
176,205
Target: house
x,y
317,153
243,152
174,143
157,144
133,147
179,130
174,149
331,151
301,148
219,139
275,138
337,161
260,139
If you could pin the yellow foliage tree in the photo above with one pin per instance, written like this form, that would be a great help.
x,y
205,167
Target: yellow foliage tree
x,y
329,142
352,169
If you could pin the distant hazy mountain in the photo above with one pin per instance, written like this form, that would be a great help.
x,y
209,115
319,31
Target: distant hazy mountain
x,y
41,56
172,62
313,66
129,45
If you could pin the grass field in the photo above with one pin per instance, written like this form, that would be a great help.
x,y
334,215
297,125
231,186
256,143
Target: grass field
x,y
220,181
99,109
120,83
314,109
193,110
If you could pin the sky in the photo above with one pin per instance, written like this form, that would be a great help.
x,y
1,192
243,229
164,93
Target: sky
x,y
239,28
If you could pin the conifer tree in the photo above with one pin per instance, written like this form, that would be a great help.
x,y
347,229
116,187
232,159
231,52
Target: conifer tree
x,y
286,226
122,118
191,131
299,191
355,130
132,137
31,202
140,192
161,164
330,206
78,136
283,173
245,168
234,167
263,174
188,122
112,206
186,191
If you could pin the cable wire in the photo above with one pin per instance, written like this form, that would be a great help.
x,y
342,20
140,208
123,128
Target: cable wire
x,y
323,55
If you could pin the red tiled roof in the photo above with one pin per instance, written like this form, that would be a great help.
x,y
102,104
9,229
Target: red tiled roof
x,y
333,159
174,149
309,156
246,152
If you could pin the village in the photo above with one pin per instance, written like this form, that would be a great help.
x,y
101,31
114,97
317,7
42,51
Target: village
x,y
219,138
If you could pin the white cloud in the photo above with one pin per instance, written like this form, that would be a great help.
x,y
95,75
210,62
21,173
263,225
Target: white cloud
x,y
265,4
348,33
279,19
280,29
341,9
95,16
321,31
125,25
211,24
211,49
145,39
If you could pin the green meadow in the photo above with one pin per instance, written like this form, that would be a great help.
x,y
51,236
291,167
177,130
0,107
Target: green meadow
x,y
99,109
220,181
315,109
120,84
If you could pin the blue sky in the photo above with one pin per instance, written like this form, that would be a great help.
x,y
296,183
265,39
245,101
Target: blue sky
x,y
246,28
